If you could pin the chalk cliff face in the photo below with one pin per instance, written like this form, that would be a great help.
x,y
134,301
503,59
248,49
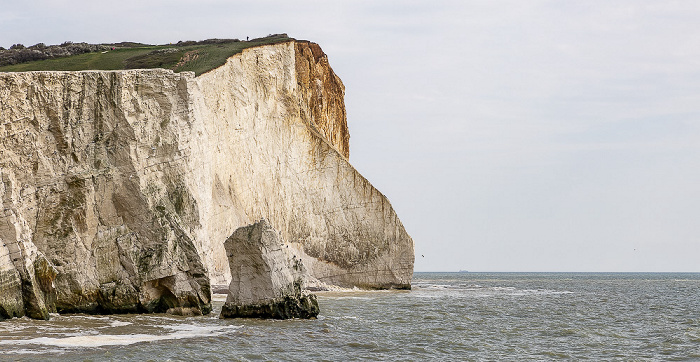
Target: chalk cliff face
x,y
119,188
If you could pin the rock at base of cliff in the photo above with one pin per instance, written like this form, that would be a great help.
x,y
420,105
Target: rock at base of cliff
x,y
266,277
288,307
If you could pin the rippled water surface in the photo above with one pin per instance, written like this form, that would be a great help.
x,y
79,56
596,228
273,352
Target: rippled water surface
x,y
447,316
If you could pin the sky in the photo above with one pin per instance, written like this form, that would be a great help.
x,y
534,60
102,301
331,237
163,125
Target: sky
x,y
523,136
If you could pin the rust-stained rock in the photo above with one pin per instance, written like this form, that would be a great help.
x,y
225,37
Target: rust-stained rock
x,y
324,92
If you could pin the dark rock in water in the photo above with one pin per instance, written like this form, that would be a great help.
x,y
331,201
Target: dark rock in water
x,y
304,306
266,277
183,311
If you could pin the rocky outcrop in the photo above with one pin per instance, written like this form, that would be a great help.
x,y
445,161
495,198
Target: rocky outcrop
x,y
119,188
267,279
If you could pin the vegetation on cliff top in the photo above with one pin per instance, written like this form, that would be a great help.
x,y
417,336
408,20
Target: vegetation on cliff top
x,y
199,57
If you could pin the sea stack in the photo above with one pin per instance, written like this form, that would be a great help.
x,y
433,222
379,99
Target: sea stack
x,y
267,279
118,189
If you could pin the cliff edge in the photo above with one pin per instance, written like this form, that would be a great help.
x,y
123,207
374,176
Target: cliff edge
x,y
119,188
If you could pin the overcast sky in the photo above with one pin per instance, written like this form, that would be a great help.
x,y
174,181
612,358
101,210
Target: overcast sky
x,y
508,135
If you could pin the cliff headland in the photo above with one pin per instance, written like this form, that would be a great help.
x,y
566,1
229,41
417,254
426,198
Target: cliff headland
x,y
119,188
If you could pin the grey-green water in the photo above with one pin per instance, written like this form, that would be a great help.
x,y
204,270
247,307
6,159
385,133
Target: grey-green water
x,y
447,316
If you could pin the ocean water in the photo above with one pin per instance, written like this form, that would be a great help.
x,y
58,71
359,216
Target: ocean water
x,y
447,316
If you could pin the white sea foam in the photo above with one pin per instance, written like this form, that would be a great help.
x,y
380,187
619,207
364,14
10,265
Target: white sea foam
x,y
343,317
218,297
332,288
118,324
504,288
438,286
9,326
90,317
63,330
31,351
516,292
350,297
477,291
180,332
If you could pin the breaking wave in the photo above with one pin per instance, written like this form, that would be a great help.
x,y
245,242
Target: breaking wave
x,y
182,331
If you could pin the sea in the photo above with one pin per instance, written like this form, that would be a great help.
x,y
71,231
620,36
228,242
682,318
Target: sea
x,y
445,317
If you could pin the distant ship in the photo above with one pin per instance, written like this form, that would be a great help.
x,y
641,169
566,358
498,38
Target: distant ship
x,y
464,271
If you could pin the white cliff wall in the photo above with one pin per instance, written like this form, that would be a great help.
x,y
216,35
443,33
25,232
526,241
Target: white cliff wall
x,y
119,188
93,177
271,161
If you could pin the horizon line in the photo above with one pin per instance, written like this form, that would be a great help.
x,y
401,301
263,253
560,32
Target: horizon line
x,y
608,272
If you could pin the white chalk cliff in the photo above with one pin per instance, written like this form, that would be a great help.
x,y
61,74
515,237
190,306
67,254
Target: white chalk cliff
x,y
119,188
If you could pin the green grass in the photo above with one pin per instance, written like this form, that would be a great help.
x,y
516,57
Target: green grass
x,y
209,56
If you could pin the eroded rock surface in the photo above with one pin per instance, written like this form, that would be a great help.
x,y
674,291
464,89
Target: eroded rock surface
x,y
267,279
119,188
274,160
93,184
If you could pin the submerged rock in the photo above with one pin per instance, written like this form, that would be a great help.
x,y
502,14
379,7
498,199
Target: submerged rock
x,y
266,277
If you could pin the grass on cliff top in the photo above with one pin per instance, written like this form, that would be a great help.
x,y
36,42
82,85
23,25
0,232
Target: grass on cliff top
x,y
198,57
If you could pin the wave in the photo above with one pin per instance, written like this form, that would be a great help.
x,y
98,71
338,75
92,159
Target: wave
x,y
118,324
476,290
83,341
